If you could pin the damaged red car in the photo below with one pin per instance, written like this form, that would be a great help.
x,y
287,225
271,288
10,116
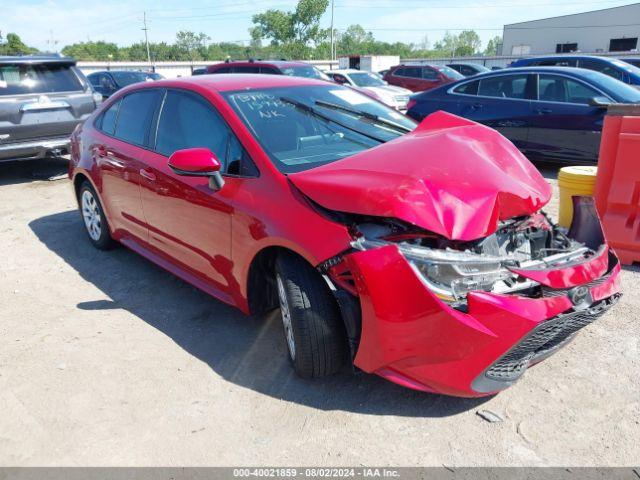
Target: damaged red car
x,y
417,252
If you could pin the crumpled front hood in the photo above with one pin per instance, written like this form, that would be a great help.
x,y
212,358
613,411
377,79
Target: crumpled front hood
x,y
450,176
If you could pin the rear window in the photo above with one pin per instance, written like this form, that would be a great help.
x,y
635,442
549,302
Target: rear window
x,y
135,115
19,79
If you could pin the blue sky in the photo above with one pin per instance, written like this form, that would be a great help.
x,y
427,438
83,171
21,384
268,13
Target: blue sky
x,y
51,24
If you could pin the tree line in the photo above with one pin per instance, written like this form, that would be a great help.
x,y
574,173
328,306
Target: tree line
x,y
295,34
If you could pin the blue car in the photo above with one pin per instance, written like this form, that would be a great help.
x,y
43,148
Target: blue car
x,y
618,69
550,113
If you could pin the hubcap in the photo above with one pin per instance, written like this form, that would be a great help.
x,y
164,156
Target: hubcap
x,y
91,215
286,318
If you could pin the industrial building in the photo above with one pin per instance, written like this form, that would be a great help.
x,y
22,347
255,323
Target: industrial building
x,y
609,30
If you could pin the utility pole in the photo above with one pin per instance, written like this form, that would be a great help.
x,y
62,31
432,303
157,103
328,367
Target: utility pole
x,y
332,39
146,37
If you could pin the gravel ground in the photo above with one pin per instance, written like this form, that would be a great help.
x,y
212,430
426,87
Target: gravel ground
x,y
106,359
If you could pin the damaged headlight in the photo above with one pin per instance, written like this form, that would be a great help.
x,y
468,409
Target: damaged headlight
x,y
452,274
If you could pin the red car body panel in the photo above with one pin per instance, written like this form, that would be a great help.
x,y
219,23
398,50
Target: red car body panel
x,y
450,176
417,84
447,194
430,346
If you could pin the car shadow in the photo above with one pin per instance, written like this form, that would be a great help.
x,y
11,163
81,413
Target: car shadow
x,y
247,351
24,171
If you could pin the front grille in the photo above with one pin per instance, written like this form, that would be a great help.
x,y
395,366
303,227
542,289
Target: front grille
x,y
544,339
553,292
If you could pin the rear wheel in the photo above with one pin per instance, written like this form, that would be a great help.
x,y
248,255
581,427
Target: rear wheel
x,y
95,221
311,320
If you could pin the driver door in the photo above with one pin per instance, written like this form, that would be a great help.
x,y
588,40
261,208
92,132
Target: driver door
x,y
189,223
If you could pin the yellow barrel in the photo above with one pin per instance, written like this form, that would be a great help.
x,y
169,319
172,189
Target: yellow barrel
x,y
574,181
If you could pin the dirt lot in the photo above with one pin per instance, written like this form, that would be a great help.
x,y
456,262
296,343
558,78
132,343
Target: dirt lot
x,y
106,359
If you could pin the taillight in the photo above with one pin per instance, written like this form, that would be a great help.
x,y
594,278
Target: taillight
x,y
411,103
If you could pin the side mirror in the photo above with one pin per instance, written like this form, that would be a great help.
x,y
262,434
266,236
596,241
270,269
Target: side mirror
x,y
601,102
197,162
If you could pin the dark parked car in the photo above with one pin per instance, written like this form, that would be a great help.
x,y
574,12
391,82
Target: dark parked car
x,y
547,112
623,71
42,99
468,69
632,61
109,82
273,67
419,77
199,71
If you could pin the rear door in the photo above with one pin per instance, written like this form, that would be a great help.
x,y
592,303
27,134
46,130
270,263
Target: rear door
x,y
431,78
563,125
407,77
501,102
42,101
118,152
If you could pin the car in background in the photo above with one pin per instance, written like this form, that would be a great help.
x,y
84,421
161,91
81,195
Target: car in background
x,y
632,61
272,67
550,113
155,76
618,69
371,84
419,77
108,82
415,252
468,69
42,100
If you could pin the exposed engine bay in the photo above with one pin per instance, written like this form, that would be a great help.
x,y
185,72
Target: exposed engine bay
x,y
451,269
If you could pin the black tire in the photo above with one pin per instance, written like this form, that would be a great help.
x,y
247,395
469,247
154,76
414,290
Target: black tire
x,y
103,240
318,334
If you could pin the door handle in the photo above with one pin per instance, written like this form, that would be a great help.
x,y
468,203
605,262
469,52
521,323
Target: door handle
x,y
148,175
544,111
101,151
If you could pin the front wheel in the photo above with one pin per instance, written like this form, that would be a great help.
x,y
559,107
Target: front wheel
x,y
313,328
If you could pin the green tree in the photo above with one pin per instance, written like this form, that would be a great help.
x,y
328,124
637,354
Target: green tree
x,y
356,40
297,32
493,45
466,43
93,51
191,45
15,46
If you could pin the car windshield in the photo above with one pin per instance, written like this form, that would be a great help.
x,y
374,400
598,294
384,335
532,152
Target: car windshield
x,y
307,71
366,79
450,72
18,79
621,91
308,126
128,78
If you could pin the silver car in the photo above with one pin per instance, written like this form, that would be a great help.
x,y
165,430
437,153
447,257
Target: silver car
x,y
373,85
42,99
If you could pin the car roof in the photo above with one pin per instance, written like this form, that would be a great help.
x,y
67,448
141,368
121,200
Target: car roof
x,y
578,72
235,81
542,57
35,59
271,63
346,71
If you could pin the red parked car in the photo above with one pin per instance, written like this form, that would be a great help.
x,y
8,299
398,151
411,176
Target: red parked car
x,y
419,77
269,67
416,252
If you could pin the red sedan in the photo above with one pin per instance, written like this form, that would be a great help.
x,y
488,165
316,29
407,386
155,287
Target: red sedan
x,y
416,252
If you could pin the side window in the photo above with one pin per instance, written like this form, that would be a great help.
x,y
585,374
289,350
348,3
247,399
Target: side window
x,y
222,70
553,88
470,88
107,122
135,115
95,80
413,72
429,73
269,70
602,67
467,71
189,121
246,70
399,72
504,86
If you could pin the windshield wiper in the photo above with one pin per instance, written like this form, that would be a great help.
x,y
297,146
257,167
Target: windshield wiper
x,y
361,113
309,109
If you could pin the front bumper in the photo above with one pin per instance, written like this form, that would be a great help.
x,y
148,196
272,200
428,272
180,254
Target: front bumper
x,y
412,338
34,149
